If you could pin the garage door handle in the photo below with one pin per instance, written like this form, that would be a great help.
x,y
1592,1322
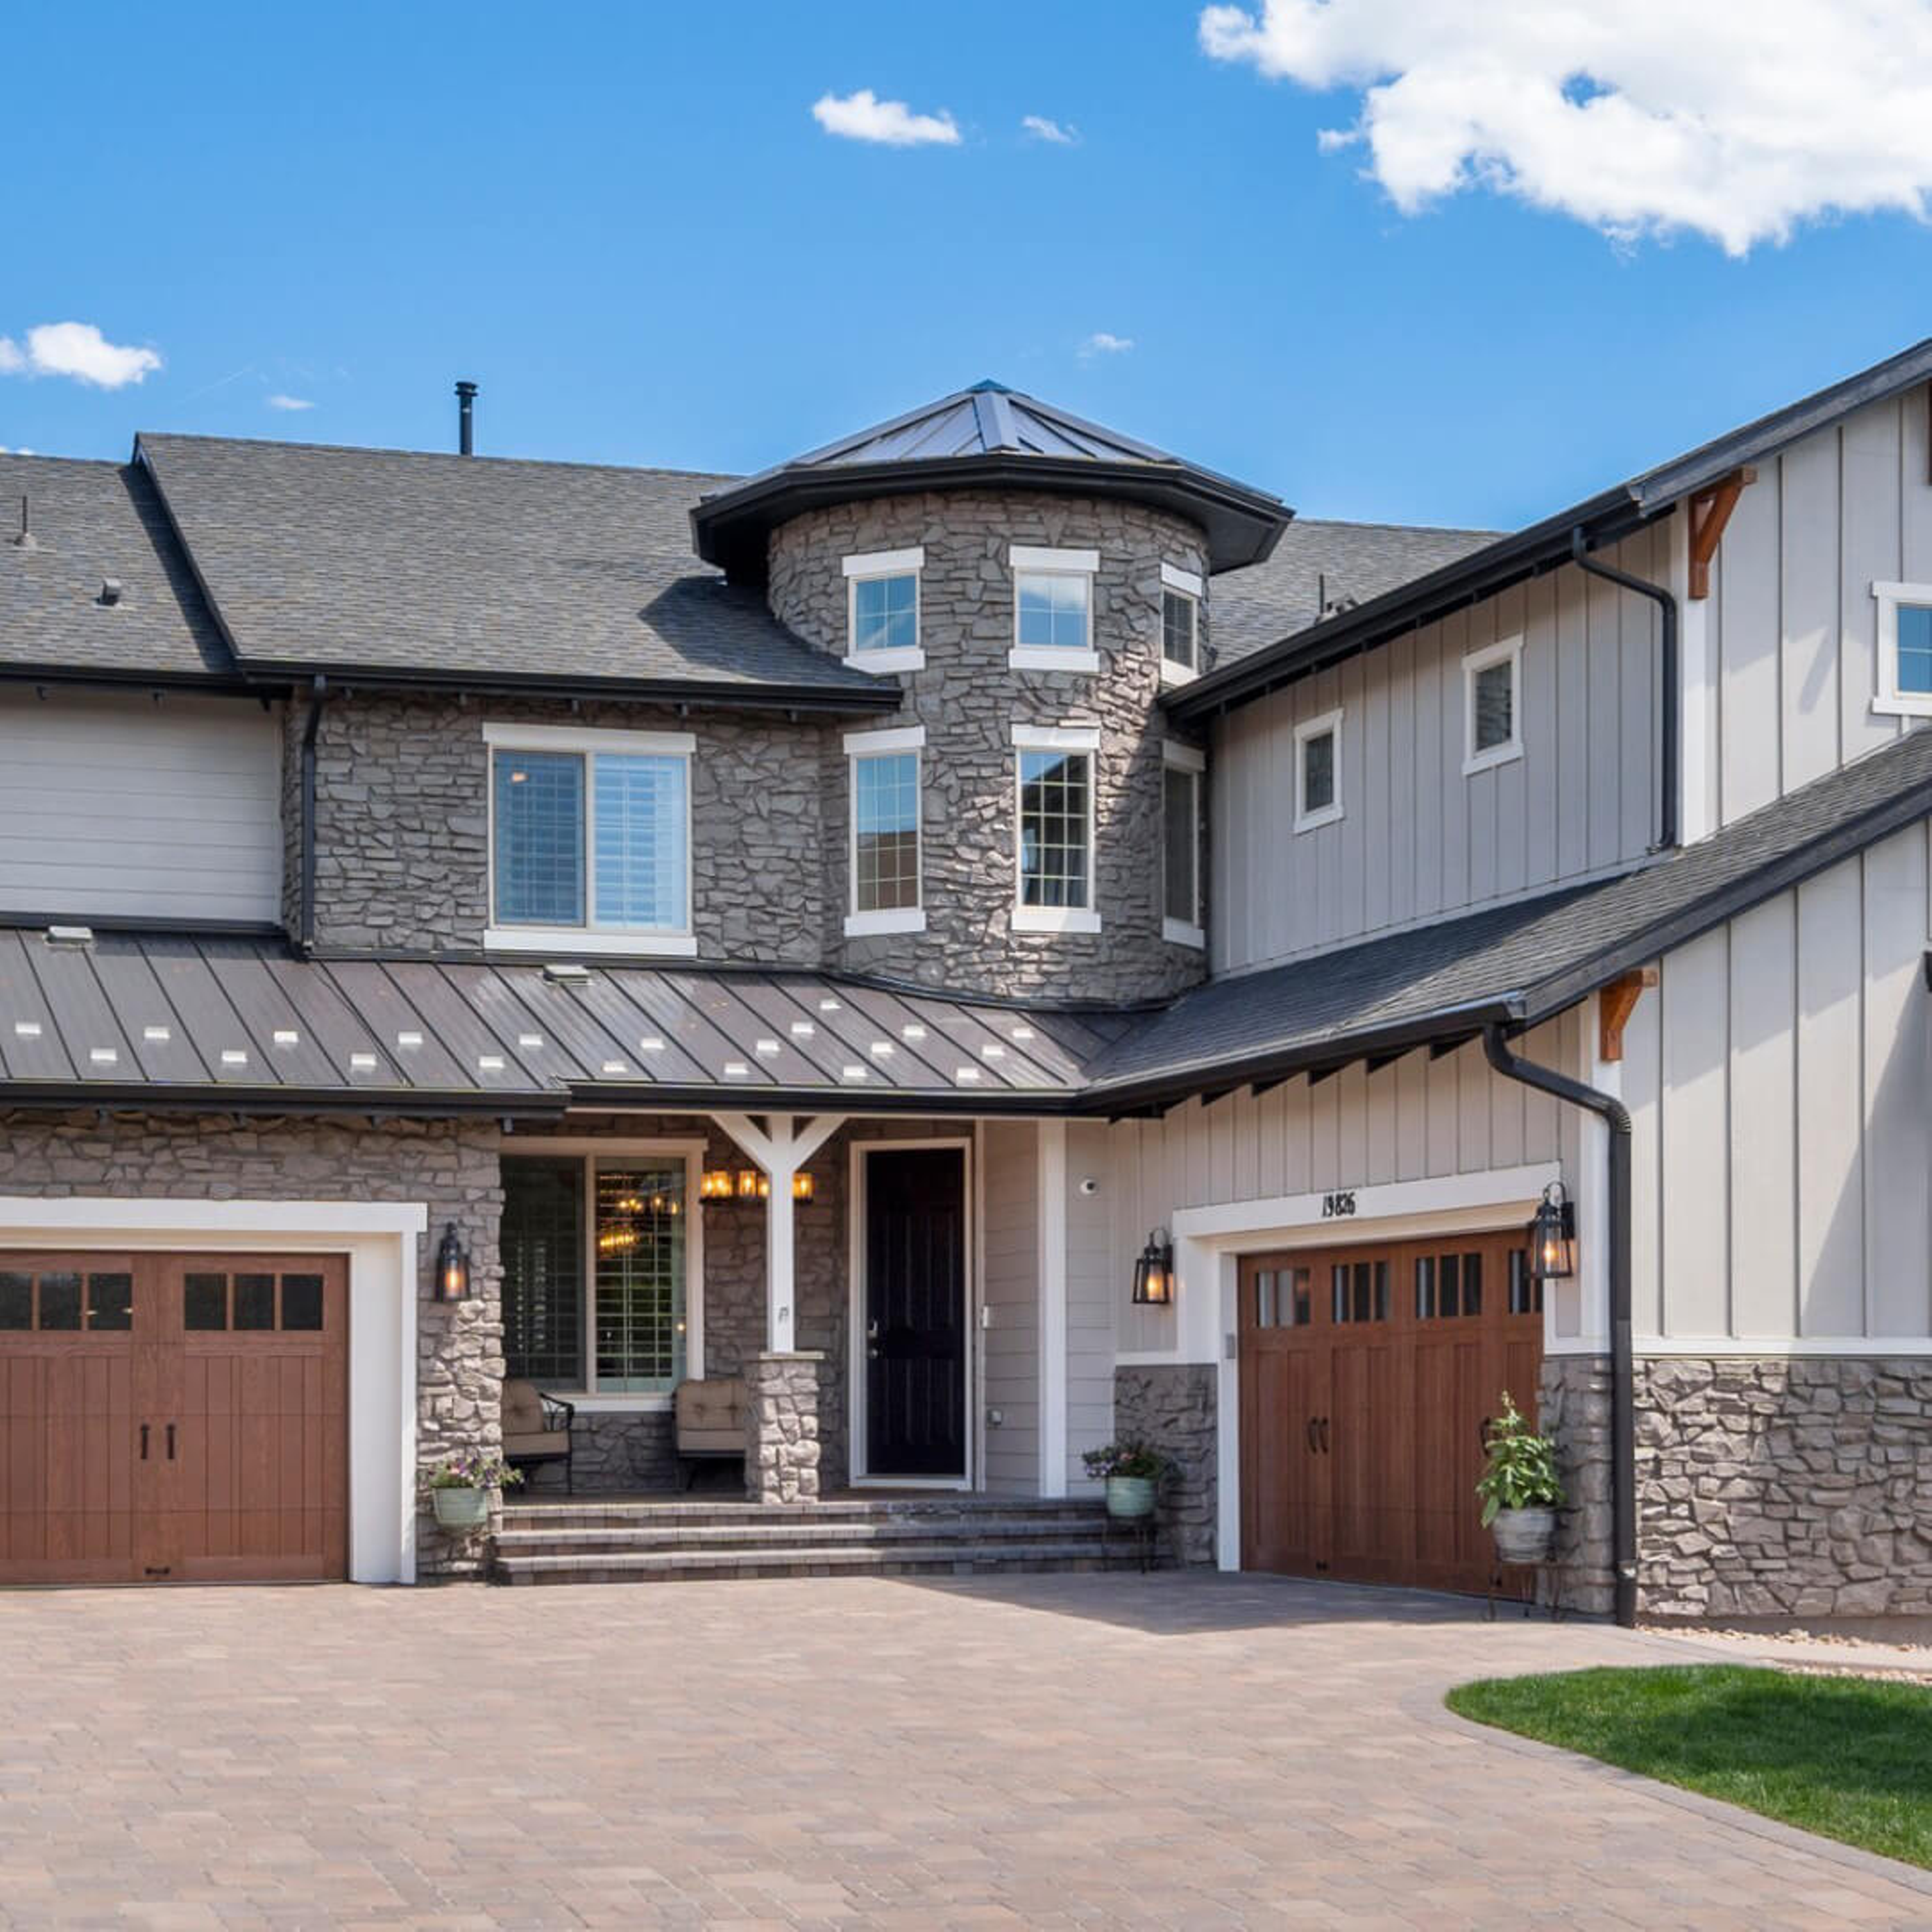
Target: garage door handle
x,y
144,1442
1325,1435
171,1442
1313,1445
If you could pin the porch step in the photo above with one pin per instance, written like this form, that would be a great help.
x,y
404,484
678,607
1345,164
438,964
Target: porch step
x,y
987,1532
945,1557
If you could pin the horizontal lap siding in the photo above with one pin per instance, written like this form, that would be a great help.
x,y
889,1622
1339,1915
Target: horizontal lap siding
x,y
115,806
1011,1275
1416,839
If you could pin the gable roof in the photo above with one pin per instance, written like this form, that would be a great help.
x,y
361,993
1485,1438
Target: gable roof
x,y
992,436
1602,518
1515,965
409,568
89,522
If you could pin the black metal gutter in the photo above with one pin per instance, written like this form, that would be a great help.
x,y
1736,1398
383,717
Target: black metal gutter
x,y
317,703
1615,1116
123,1096
1670,779
209,684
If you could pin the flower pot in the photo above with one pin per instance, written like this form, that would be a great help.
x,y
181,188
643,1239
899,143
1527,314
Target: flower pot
x,y
460,1508
1129,1496
1525,1535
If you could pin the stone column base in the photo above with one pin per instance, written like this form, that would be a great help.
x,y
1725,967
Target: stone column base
x,y
781,1428
1573,1406
1172,1407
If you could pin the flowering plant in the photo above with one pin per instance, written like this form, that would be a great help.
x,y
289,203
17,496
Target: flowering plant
x,y
471,1469
1127,1459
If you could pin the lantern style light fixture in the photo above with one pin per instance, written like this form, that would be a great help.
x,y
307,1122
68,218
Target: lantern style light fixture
x,y
1552,1236
1153,1272
801,1185
715,1184
452,1267
748,1178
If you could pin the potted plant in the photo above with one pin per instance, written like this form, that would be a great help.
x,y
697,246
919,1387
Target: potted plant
x,y
1520,1489
460,1487
1132,1472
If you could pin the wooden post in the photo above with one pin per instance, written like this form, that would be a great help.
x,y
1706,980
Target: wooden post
x,y
781,1146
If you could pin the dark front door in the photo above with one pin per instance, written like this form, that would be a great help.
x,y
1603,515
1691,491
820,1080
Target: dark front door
x,y
915,1311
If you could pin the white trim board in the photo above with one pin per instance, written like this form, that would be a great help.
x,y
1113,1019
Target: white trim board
x,y
380,1240
1051,1154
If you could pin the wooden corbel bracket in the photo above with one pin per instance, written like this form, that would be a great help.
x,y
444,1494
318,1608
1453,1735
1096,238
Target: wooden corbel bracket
x,y
1615,1004
1710,510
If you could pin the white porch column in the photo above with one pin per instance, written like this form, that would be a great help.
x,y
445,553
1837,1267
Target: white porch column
x,y
781,1146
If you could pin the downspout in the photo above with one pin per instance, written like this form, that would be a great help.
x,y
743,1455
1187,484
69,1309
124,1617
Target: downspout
x,y
318,702
1670,728
1615,1116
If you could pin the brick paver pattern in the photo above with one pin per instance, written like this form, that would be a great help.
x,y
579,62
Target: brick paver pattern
x,y
1180,1751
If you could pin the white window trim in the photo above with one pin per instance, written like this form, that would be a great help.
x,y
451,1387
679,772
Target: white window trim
x,y
1314,727
1509,651
1178,757
887,743
587,1153
561,941
1173,577
877,563
1890,702
1037,561
1059,738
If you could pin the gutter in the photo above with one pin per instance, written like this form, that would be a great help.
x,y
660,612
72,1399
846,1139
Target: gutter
x,y
311,725
1615,1116
1670,731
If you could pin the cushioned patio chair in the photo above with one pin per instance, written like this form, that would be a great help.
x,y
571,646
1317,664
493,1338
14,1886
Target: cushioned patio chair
x,y
710,1416
536,1428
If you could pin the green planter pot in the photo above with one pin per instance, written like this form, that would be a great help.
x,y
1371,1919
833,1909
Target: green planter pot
x,y
1130,1497
461,1509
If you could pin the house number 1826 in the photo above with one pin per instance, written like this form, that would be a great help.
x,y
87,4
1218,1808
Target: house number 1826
x,y
1334,1205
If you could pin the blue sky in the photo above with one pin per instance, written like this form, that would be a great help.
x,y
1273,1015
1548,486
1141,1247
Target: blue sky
x,y
626,224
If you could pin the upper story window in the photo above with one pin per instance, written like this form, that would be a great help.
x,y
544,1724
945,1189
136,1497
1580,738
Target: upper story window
x,y
589,839
882,610
1053,609
884,857
1493,705
1318,771
1181,593
1904,650
1053,820
1181,770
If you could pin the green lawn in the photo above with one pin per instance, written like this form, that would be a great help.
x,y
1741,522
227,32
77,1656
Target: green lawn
x,y
1845,1756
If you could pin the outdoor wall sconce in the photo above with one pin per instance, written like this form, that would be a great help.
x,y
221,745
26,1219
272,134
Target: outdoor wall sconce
x,y
801,1185
1552,1236
1153,1272
720,1183
715,1185
452,1267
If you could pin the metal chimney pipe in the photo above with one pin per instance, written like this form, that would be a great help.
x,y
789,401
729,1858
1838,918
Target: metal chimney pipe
x,y
466,418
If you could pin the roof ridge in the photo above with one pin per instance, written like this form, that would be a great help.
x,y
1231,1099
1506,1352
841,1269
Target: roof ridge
x,y
157,436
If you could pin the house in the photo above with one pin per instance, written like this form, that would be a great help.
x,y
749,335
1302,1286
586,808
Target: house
x,y
1000,938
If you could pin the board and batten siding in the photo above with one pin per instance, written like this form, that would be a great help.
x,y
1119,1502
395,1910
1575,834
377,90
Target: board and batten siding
x,y
1776,1080
115,805
1095,1288
1009,1155
1417,1118
1417,840
1790,641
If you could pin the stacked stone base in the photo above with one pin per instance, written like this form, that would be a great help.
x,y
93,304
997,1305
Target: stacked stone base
x,y
781,1428
1171,1407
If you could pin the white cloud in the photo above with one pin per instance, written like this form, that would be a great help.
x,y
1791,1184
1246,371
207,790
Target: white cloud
x,y
1101,343
1736,120
279,402
863,116
1042,129
78,349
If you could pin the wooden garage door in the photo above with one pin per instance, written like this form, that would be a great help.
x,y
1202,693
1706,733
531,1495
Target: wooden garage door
x,y
172,1417
1368,1375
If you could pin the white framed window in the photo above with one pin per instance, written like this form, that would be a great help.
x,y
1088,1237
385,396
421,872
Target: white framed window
x,y
883,848
589,840
1053,609
882,610
1055,774
1904,650
1182,768
1493,705
1318,771
1180,595
602,1296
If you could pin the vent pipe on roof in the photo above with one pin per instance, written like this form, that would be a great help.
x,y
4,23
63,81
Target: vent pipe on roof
x,y
26,540
465,418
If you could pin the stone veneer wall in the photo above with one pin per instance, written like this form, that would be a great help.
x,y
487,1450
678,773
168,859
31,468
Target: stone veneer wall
x,y
969,699
1573,1405
402,822
450,1165
1172,1408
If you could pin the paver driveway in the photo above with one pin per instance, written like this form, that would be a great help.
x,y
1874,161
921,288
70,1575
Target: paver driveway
x,y
1183,1751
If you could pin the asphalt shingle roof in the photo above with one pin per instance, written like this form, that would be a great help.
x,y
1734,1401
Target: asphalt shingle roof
x,y
91,521
401,562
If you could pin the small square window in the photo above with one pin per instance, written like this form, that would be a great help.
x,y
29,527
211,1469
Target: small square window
x,y
1053,609
1492,684
1904,649
1180,628
885,613
1318,772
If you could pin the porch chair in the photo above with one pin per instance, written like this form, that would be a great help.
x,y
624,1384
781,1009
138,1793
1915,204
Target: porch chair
x,y
709,1424
536,1428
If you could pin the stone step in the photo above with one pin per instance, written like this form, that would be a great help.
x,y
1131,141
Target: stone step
x,y
973,1530
592,1514
893,1560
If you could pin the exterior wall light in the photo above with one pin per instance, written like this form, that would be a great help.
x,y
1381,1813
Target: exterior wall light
x,y
1552,1236
801,1185
715,1185
1153,1272
452,1267
748,1178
